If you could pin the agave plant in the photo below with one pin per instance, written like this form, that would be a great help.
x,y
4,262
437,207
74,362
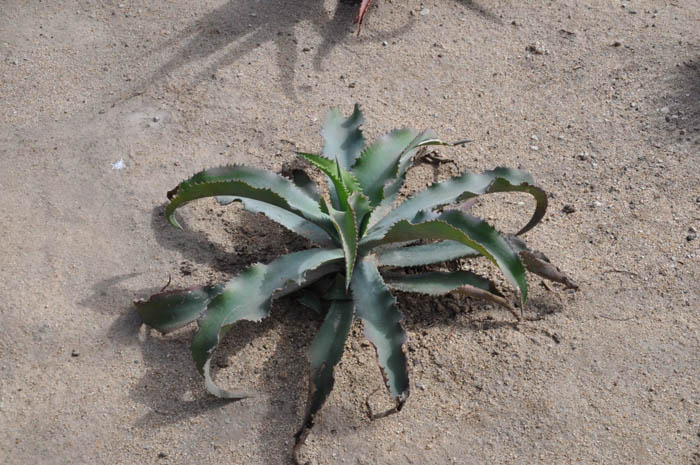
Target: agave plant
x,y
363,238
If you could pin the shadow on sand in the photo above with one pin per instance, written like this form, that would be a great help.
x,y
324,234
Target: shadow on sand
x,y
227,34
171,388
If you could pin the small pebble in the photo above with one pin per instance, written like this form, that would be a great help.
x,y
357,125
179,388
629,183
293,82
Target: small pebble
x,y
597,204
424,12
534,147
156,119
537,48
385,43
692,234
568,208
74,353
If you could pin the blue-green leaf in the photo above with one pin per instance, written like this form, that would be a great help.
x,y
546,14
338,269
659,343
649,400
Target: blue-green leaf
x,y
342,138
168,311
345,223
339,193
425,254
438,283
423,139
381,319
379,162
384,164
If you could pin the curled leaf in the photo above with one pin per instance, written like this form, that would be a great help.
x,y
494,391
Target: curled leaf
x,y
460,188
250,183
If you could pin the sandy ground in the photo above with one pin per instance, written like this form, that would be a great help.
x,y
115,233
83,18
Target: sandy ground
x,y
603,108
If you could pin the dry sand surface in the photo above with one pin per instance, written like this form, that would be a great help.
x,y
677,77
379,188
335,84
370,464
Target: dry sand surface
x,y
599,99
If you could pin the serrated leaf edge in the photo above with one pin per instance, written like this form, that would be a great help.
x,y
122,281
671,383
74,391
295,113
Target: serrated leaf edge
x,y
403,396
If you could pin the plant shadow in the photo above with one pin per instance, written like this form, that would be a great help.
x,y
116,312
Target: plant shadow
x,y
687,99
171,388
481,11
196,248
678,108
229,33
173,393
476,315
193,246
286,335
169,373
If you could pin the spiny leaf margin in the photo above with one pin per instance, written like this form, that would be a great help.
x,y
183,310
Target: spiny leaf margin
x,y
381,318
342,138
248,182
460,188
